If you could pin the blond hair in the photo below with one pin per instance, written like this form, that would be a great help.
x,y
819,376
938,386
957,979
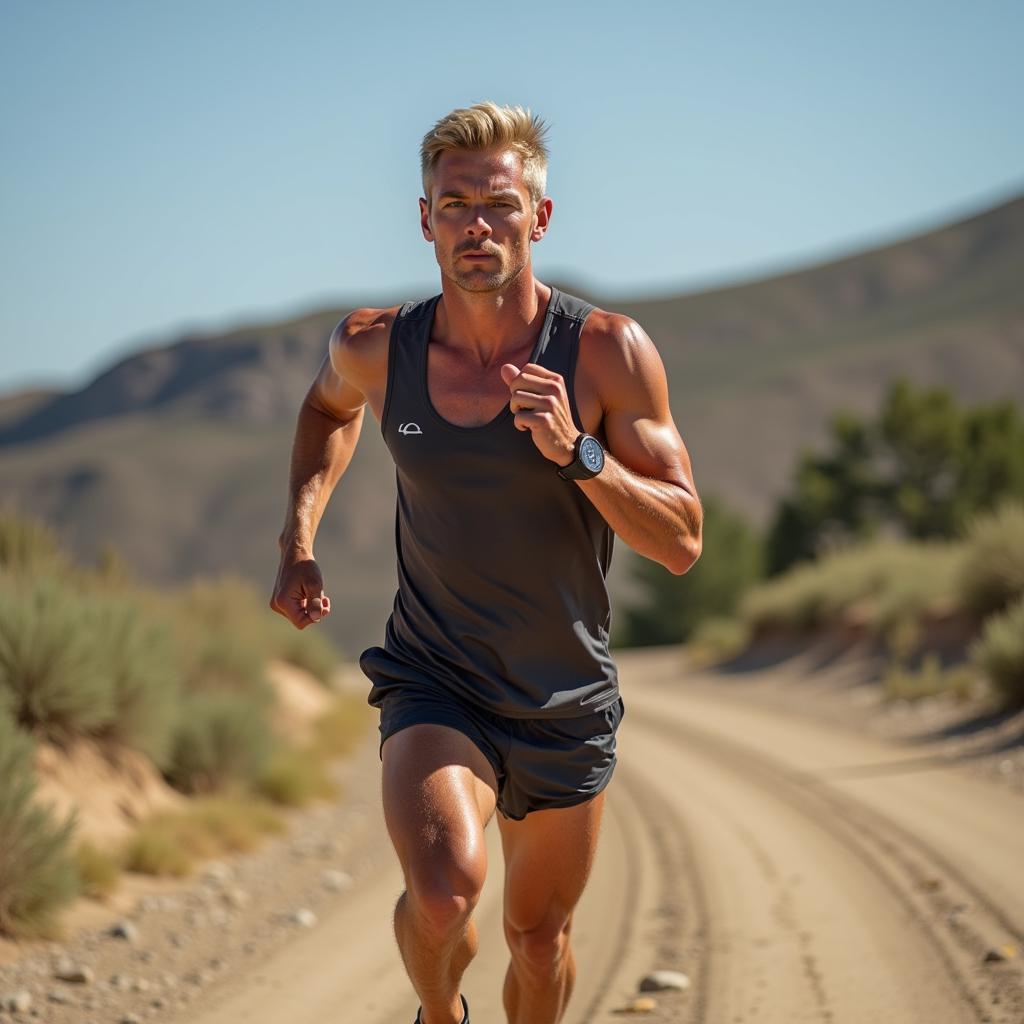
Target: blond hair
x,y
483,126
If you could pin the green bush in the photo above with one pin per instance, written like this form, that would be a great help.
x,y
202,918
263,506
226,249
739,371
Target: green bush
x,y
717,640
222,740
999,652
885,583
98,872
293,777
307,649
28,545
139,660
993,570
49,664
37,873
929,680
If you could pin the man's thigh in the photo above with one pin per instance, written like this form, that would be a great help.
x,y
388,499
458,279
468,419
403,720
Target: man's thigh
x,y
439,792
548,857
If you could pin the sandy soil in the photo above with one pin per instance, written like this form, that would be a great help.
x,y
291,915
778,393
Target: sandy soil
x,y
797,868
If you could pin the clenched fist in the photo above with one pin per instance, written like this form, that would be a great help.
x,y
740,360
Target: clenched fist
x,y
541,405
299,592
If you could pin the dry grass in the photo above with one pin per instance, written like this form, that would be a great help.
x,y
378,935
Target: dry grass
x,y
99,872
294,778
171,843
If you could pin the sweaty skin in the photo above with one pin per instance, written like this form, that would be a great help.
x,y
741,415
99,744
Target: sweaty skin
x,y
439,790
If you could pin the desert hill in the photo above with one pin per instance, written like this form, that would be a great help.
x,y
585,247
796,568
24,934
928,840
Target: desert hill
x,y
178,454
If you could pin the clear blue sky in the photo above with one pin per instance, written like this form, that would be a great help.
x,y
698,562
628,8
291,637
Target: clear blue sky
x,y
195,164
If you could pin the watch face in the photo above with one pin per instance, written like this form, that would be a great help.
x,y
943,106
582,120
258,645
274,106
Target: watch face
x,y
592,454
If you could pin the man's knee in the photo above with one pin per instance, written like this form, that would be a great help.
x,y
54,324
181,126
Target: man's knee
x,y
443,892
540,950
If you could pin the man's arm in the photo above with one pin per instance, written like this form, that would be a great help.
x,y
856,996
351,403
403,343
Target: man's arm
x,y
645,490
328,427
329,422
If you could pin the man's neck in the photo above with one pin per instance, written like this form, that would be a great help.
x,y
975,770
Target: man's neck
x,y
490,324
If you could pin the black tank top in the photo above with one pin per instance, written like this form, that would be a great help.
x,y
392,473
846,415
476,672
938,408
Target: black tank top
x,y
501,563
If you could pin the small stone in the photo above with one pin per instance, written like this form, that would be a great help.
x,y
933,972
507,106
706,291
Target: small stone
x,y
19,1002
140,985
336,881
642,1004
304,918
74,974
120,982
57,995
130,1018
236,898
993,956
218,872
659,981
125,930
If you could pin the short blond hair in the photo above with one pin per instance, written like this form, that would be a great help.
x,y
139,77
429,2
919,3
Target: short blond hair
x,y
484,126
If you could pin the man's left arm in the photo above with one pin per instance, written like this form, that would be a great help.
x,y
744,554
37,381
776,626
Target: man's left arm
x,y
645,490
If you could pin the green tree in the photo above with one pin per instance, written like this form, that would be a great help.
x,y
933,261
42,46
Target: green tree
x,y
922,469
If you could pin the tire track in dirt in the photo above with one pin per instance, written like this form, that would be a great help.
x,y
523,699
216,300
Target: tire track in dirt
x,y
919,880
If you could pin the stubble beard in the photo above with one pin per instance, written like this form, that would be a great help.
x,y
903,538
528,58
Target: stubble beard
x,y
481,280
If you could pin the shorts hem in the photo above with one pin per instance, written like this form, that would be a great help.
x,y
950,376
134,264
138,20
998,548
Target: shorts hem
x,y
575,799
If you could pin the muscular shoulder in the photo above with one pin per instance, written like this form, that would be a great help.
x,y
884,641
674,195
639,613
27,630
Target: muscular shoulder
x,y
621,360
359,345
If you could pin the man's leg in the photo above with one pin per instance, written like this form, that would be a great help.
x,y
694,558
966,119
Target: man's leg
x,y
548,856
439,793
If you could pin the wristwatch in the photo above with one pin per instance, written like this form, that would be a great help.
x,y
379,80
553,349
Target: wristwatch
x,y
588,461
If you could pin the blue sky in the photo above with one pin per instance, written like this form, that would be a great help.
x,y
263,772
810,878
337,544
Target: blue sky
x,y
194,165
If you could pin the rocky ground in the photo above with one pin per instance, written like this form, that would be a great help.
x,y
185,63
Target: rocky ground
x,y
158,960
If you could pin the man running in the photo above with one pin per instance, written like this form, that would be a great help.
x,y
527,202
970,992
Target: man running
x,y
527,427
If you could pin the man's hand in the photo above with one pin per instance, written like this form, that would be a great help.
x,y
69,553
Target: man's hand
x,y
541,405
299,592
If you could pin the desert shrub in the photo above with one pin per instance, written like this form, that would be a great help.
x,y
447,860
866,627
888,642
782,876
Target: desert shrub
x,y
716,640
37,874
28,545
929,680
234,633
999,652
308,649
98,871
49,666
222,739
293,777
993,569
169,843
139,660
886,582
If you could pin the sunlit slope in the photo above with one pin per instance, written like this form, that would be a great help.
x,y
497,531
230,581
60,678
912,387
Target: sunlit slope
x,y
179,453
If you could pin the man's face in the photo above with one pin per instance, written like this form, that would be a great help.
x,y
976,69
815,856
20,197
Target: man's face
x,y
481,218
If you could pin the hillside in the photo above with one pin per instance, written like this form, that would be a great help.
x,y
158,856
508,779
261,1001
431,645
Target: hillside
x,y
178,454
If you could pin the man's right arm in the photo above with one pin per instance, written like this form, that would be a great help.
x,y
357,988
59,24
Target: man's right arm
x,y
329,423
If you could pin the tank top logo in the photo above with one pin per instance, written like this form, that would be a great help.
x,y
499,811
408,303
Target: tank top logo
x,y
409,428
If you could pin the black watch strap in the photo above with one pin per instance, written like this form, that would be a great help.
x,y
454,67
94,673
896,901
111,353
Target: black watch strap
x,y
587,461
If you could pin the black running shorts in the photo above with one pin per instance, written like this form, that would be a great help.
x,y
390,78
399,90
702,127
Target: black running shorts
x,y
538,762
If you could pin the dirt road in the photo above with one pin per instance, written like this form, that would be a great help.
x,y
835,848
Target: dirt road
x,y
795,871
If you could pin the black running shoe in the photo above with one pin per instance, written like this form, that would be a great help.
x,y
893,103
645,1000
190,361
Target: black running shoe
x,y
465,1014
